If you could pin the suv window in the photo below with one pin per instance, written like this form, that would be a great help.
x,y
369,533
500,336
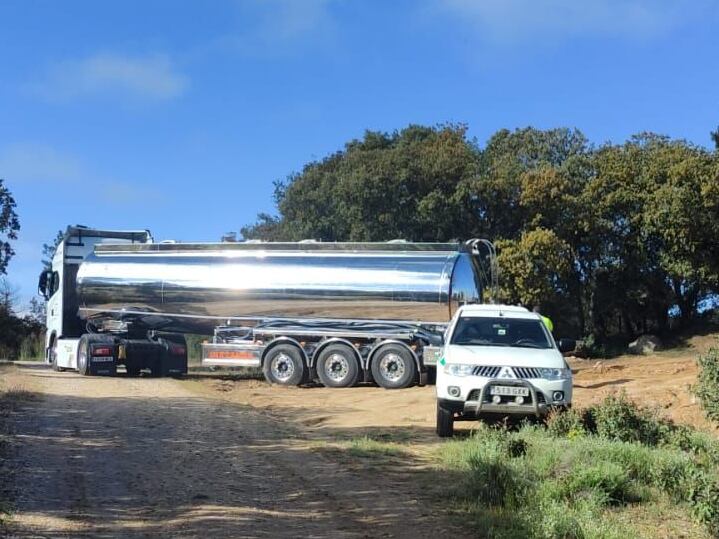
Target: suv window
x,y
500,331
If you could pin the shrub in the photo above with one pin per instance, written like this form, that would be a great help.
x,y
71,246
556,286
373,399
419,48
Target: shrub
x,y
568,423
494,479
618,418
605,481
707,386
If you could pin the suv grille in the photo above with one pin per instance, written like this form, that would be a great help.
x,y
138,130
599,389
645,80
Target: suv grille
x,y
487,372
527,372
519,372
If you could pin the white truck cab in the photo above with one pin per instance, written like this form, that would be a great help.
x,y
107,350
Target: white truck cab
x,y
500,360
58,286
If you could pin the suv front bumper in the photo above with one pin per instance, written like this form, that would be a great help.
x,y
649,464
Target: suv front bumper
x,y
479,402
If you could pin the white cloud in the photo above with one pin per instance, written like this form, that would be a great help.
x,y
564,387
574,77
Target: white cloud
x,y
149,77
508,22
280,27
39,163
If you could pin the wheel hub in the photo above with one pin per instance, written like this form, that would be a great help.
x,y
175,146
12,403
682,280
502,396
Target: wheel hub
x,y
283,367
336,367
392,367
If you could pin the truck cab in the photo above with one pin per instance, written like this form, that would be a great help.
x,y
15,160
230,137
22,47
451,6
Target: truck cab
x,y
59,288
500,360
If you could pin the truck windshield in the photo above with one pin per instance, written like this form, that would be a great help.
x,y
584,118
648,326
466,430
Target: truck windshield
x,y
500,331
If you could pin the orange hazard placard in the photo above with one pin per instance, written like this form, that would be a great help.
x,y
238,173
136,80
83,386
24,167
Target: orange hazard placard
x,y
230,354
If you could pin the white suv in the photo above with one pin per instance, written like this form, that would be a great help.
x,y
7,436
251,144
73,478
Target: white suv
x,y
500,360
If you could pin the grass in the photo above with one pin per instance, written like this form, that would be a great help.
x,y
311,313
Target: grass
x,y
366,451
614,470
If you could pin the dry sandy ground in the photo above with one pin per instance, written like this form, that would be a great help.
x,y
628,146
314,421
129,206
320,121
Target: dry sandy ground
x,y
660,381
218,456
122,457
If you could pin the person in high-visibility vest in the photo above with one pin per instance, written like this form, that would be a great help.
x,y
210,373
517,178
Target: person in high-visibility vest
x,y
547,321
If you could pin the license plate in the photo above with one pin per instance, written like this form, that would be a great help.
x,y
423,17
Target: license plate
x,y
509,391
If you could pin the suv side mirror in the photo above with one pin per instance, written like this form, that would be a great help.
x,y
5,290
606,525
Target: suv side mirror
x,y
567,345
42,284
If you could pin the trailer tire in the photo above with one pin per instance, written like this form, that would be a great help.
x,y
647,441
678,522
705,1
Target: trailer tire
x,y
337,366
393,366
445,422
283,365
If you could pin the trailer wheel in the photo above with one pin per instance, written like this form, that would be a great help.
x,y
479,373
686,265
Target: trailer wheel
x,y
393,367
283,365
337,366
445,422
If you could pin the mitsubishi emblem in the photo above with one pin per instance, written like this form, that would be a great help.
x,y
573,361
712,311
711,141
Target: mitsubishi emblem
x,y
506,372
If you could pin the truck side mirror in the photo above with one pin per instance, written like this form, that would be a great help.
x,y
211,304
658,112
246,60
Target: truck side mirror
x,y
567,345
42,288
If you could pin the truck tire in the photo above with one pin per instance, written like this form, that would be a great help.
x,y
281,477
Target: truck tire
x,y
393,367
132,368
283,365
174,358
445,422
83,355
337,366
53,357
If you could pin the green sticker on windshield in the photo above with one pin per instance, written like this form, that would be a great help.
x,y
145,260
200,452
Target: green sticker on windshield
x,y
442,361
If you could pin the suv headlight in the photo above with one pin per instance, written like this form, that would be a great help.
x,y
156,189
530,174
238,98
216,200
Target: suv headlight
x,y
458,369
556,374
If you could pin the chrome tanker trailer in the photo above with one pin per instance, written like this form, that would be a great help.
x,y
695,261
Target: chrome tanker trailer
x,y
339,312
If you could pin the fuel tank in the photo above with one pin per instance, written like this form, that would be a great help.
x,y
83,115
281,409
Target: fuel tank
x,y
194,287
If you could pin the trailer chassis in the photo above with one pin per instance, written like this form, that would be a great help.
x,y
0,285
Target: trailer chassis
x,y
337,353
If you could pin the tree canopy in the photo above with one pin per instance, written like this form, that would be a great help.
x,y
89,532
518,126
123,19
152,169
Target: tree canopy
x,y
607,240
9,226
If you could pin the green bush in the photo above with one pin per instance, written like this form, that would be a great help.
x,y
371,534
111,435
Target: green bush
x,y
32,347
574,477
618,418
707,386
568,423
606,481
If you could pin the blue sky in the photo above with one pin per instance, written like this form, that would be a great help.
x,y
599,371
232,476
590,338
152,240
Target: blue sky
x,y
177,116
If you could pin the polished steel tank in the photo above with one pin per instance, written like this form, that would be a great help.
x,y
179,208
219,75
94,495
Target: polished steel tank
x,y
196,287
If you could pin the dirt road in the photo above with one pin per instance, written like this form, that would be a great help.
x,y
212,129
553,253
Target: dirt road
x,y
104,457
216,456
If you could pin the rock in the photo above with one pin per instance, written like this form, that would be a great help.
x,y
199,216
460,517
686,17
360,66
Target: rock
x,y
644,345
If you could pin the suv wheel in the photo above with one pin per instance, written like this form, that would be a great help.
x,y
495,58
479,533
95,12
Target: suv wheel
x,y
445,422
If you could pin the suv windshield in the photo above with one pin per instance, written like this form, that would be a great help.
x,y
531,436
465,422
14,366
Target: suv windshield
x,y
500,331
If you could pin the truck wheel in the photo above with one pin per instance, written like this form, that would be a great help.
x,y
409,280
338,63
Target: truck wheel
x,y
132,368
393,367
283,365
53,358
337,366
83,356
174,359
445,422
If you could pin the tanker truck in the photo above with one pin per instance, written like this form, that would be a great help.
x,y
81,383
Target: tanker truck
x,y
339,313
